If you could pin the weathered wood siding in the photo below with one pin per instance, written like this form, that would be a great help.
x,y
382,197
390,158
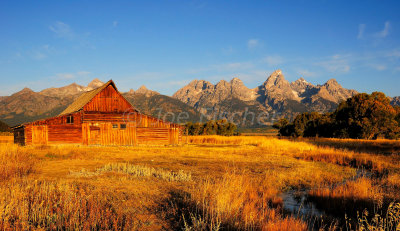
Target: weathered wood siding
x,y
140,129
153,136
107,117
108,100
28,134
106,134
39,135
64,134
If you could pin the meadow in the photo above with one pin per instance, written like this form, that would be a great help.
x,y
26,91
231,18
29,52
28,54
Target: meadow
x,y
211,183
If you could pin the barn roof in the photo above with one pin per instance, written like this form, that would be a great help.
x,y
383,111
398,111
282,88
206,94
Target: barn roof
x,y
85,98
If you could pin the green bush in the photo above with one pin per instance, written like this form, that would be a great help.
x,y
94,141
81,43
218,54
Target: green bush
x,y
363,116
219,127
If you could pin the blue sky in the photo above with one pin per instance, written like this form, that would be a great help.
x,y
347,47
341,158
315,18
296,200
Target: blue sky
x,y
166,44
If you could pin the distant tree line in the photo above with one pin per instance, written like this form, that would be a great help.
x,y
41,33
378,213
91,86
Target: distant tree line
x,y
363,116
4,127
219,127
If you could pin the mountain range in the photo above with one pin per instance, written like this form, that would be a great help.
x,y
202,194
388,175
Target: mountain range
x,y
200,99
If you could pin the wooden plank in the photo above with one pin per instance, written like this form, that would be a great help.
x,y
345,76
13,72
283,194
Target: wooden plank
x,y
152,136
108,100
39,135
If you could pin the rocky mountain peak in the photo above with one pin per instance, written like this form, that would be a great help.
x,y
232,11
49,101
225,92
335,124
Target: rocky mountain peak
x,y
277,72
301,80
143,90
236,82
276,79
69,90
332,83
300,85
395,101
334,92
223,84
95,83
26,90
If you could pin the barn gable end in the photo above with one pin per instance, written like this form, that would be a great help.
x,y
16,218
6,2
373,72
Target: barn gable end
x,y
103,99
108,100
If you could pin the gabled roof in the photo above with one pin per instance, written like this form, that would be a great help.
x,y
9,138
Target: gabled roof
x,y
85,98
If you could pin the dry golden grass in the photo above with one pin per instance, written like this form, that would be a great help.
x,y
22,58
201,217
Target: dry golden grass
x,y
213,183
381,146
136,171
62,206
387,221
240,202
15,161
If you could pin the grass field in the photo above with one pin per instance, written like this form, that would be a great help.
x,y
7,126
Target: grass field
x,y
213,183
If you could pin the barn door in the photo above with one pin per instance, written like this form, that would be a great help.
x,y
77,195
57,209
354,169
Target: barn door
x,y
39,135
94,137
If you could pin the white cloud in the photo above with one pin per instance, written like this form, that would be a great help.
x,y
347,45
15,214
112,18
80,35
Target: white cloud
x,y
62,30
41,52
378,67
393,54
228,51
306,73
234,66
115,23
385,31
83,73
253,43
231,66
361,30
225,67
336,64
66,76
273,60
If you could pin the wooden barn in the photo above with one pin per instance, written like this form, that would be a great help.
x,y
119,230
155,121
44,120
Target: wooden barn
x,y
99,117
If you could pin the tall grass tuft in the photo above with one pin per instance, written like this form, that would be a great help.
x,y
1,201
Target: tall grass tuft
x,y
27,205
388,221
15,162
234,202
143,171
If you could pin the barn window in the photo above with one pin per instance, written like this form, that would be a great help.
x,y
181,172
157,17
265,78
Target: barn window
x,y
115,126
123,126
70,119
